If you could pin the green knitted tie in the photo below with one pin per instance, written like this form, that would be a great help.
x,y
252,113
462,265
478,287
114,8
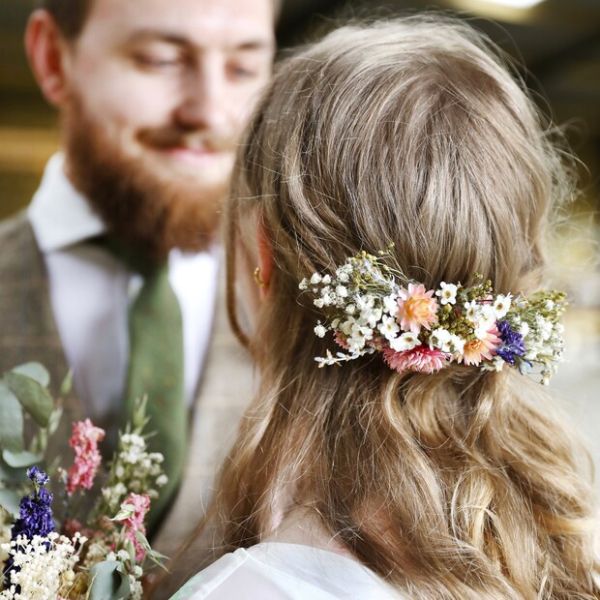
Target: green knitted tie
x,y
156,370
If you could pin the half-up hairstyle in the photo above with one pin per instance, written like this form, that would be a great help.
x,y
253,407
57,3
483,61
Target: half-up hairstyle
x,y
462,484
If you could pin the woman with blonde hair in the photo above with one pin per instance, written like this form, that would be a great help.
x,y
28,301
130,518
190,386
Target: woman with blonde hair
x,y
395,189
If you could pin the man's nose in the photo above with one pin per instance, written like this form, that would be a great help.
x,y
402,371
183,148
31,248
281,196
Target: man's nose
x,y
204,103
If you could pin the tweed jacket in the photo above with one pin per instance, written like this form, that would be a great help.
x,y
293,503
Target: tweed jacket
x,y
28,333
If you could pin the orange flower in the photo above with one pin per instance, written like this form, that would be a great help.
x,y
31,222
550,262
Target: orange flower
x,y
417,308
477,350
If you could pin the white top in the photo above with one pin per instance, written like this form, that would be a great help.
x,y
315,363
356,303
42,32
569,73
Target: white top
x,y
282,571
90,292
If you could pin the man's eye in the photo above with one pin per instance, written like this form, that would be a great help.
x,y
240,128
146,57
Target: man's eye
x,y
241,72
156,62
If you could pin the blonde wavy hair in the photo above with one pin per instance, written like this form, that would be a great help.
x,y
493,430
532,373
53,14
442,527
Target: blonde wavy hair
x,y
461,484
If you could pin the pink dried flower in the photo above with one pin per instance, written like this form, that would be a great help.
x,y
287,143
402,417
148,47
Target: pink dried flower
x,y
140,504
340,340
421,359
477,350
417,308
84,442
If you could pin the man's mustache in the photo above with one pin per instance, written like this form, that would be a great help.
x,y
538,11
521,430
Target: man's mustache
x,y
193,140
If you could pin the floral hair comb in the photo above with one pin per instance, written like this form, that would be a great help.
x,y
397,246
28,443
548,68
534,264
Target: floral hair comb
x,y
370,307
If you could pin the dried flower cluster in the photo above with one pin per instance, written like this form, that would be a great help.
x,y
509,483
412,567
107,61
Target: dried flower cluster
x,y
370,308
84,441
110,549
134,469
42,566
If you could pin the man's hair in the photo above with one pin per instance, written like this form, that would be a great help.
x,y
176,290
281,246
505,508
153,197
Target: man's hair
x,y
70,15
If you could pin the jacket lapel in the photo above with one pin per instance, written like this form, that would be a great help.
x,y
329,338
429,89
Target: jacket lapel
x,y
28,331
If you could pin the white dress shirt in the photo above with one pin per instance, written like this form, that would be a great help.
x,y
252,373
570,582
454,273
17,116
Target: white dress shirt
x,y
298,561
283,571
91,291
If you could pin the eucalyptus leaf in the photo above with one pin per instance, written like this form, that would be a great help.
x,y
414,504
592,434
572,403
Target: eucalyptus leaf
x,y
9,500
109,581
22,459
35,399
11,420
35,371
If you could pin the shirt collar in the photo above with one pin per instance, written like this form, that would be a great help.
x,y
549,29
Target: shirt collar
x,y
59,214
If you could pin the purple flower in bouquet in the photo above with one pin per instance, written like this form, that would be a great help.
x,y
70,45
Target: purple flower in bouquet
x,y
35,514
35,510
37,476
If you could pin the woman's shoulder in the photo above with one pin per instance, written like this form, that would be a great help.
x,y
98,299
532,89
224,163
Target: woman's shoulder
x,y
278,570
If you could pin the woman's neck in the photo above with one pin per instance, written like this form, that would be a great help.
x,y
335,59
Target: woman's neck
x,y
302,526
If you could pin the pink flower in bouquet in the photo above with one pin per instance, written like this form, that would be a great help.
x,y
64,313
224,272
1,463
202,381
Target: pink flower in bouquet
x,y
84,441
140,505
417,308
421,359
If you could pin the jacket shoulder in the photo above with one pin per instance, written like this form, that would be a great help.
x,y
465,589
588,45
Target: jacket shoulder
x,y
17,242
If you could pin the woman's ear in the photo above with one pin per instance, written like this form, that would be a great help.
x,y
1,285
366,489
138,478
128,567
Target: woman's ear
x,y
45,48
265,259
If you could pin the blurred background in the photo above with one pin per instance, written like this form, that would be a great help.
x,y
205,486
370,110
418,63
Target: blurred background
x,y
557,42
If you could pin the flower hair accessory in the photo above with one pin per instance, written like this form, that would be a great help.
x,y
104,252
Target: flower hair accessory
x,y
370,307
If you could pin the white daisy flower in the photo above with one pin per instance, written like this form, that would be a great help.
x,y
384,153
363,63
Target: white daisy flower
x,y
407,341
457,344
471,311
390,304
487,315
388,328
502,305
440,338
447,293
372,317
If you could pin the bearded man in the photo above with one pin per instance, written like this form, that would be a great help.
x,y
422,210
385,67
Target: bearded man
x,y
152,97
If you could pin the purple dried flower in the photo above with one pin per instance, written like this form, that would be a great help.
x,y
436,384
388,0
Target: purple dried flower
x,y
37,476
512,346
35,515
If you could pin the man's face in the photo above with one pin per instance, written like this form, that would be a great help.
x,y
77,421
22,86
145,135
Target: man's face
x,y
158,94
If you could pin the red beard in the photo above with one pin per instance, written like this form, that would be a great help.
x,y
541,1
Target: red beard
x,y
142,209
